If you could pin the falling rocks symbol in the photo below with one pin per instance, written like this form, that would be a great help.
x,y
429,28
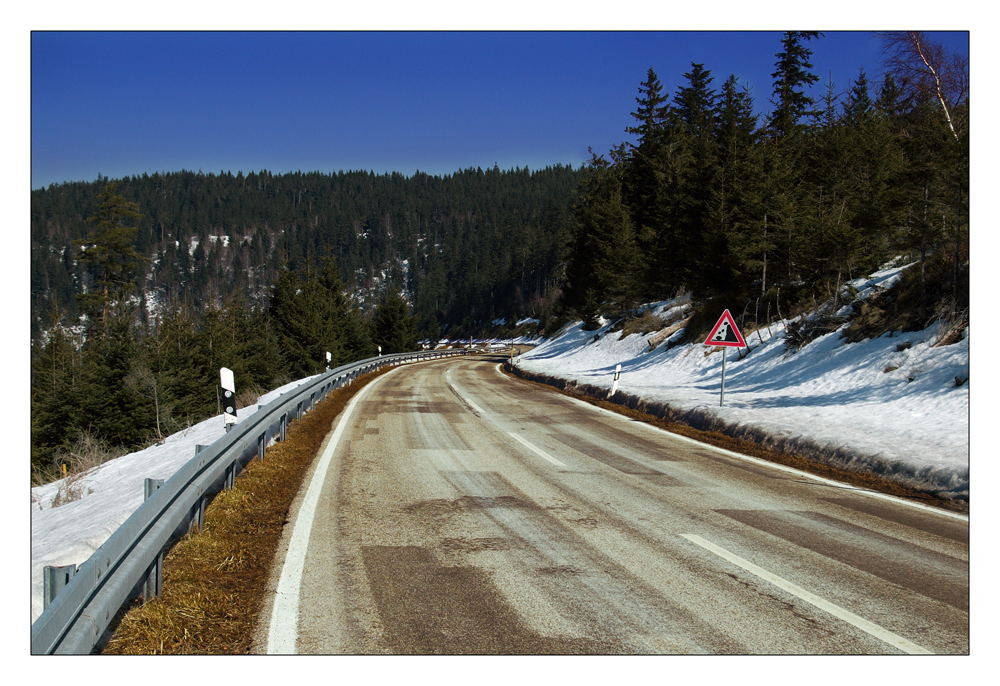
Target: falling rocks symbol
x,y
725,333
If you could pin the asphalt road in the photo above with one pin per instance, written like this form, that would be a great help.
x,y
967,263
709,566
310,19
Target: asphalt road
x,y
462,511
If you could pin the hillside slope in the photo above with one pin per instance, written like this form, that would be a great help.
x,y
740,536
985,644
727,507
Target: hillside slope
x,y
896,405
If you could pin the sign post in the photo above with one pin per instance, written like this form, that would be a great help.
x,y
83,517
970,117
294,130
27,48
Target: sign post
x,y
727,335
228,397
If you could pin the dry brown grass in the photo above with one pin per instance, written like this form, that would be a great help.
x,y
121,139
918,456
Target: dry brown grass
x,y
214,581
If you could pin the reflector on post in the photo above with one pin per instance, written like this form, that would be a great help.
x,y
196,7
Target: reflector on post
x,y
228,396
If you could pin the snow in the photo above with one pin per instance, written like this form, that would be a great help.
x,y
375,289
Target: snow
x,y
889,405
108,494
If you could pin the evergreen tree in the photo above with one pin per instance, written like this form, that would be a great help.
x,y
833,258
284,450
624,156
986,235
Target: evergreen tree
x,y
791,76
110,252
113,410
393,329
644,175
311,317
604,258
55,395
173,355
695,108
735,201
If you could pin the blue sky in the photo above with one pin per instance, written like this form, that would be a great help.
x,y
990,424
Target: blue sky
x,y
122,103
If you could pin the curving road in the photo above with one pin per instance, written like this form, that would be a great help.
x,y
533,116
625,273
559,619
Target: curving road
x,y
456,510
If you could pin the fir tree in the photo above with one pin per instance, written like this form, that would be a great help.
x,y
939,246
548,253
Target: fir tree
x,y
791,76
110,252
393,329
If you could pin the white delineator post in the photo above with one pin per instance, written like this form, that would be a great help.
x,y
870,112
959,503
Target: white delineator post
x,y
614,384
228,396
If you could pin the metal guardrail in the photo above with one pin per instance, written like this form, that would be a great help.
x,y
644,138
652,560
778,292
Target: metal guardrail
x,y
132,556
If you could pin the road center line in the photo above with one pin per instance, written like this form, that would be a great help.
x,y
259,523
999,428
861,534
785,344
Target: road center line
x,y
535,450
284,630
870,628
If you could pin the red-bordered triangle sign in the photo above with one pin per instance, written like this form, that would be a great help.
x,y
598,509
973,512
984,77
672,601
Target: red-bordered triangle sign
x,y
725,333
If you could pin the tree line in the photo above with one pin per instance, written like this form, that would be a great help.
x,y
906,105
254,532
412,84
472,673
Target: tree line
x,y
142,288
714,200
121,381
467,247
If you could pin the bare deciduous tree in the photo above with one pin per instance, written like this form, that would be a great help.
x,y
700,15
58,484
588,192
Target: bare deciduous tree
x,y
928,68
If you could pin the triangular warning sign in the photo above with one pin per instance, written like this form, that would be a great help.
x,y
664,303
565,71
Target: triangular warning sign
x,y
725,333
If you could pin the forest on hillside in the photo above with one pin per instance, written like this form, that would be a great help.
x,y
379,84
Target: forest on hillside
x,y
471,246
773,213
142,287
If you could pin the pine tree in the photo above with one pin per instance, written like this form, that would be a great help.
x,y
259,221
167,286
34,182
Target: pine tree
x,y
695,110
55,395
651,111
393,329
604,259
791,76
110,252
735,200
113,411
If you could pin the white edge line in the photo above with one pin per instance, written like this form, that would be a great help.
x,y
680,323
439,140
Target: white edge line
x,y
894,640
772,465
283,633
535,450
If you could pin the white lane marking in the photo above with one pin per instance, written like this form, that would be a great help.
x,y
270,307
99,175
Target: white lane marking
x,y
870,628
765,463
465,398
474,406
535,450
283,634
463,395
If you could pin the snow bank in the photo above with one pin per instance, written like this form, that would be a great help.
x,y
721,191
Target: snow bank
x,y
889,405
108,494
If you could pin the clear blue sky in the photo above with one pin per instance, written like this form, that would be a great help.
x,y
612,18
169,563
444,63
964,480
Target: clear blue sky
x,y
124,103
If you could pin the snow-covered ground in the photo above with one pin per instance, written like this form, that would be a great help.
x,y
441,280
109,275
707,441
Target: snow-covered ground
x,y
107,495
891,403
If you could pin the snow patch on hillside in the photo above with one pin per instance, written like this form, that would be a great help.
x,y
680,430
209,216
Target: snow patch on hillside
x,y
896,404
108,495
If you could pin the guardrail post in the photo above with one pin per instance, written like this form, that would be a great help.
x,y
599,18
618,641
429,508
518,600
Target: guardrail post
x,y
153,583
283,426
262,445
197,514
54,579
152,586
149,487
